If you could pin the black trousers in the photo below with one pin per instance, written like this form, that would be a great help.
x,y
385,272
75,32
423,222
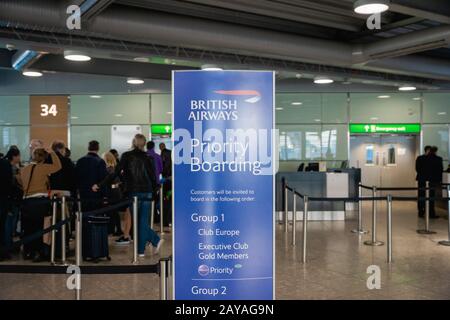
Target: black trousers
x,y
33,212
421,194
3,213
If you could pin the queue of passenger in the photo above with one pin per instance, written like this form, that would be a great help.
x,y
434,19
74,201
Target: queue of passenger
x,y
97,180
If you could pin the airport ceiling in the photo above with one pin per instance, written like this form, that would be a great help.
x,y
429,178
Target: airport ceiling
x,y
298,38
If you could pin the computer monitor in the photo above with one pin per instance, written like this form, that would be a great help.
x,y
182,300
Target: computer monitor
x,y
313,166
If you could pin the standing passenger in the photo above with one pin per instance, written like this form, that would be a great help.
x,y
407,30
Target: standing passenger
x,y
422,177
436,168
138,172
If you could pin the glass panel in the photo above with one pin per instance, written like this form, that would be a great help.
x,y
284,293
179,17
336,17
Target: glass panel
x,y
391,155
334,108
14,110
369,154
18,136
334,142
81,135
298,108
110,109
437,135
378,108
436,108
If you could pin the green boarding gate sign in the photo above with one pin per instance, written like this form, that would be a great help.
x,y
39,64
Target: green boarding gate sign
x,y
411,128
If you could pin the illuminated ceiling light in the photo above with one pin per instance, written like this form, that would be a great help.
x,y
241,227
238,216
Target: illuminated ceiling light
x,y
323,80
297,103
279,109
442,113
31,73
317,120
76,56
135,81
417,98
169,112
384,97
211,67
95,97
371,6
141,59
407,88
298,75
118,115
347,82
74,117
374,118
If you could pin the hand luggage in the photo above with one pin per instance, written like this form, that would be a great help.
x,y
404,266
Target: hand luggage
x,y
95,238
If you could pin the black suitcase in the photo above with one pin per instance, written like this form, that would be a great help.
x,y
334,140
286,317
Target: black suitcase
x,y
95,238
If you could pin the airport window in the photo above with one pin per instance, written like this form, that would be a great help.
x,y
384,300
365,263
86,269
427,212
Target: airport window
x,y
391,155
370,155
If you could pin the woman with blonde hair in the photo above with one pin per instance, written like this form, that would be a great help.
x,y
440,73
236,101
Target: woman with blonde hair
x,y
115,195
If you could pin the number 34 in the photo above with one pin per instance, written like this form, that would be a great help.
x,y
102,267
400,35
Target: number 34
x,y
46,110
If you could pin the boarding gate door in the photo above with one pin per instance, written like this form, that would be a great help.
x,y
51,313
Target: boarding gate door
x,y
385,160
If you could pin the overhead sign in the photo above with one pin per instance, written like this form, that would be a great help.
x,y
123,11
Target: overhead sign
x,y
411,128
223,185
161,128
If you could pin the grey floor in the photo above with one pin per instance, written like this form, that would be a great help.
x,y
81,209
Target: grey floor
x,y
336,266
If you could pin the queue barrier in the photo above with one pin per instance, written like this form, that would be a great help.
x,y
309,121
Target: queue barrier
x,y
374,199
163,268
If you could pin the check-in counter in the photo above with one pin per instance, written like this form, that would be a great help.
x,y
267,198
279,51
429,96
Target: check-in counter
x,y
321,185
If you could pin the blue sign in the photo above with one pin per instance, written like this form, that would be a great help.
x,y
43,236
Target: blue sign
x,y
223,185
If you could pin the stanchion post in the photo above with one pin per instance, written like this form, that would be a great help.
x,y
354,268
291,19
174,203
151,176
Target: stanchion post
x,y
427,212
374,241
169,279
389,228
294,218
360,229
161,209
163,279
447,242
152,214
305,227
286,211
53,240
63,230
78,234
135,230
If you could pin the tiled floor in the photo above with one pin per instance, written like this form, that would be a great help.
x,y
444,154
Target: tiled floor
x,y
336,267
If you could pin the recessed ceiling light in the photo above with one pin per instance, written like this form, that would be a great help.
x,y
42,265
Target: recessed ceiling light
x,y
141,59
298,75
30,73
323,80
374,118
74,117
297,103
347,82
73,55
279,108
169,112
371,6
95,97
317,120
407,88
211,67
384,97
135,81
442,113
417,98
118,115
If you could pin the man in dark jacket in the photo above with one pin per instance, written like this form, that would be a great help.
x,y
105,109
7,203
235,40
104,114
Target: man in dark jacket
x,y
138,174
90,170
435,169
422,177
63,181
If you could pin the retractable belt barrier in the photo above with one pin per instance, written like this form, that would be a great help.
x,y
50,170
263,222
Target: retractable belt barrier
x,y
163,268
374,198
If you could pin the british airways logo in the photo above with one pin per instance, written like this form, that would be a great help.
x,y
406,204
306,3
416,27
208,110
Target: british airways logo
x,y
253,95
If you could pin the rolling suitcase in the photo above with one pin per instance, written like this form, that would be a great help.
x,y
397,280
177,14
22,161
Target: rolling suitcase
x,y
95,238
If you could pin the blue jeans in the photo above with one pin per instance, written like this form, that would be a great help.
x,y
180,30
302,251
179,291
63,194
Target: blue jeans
x,y
10,225
145,233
